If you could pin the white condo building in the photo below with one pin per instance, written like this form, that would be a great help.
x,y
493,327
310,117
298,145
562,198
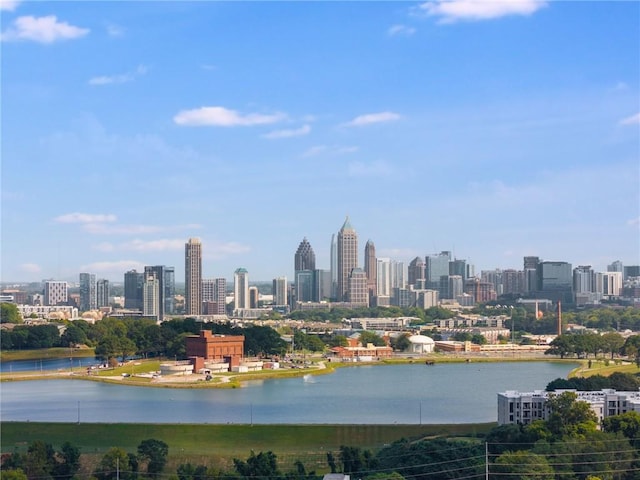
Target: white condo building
x,y
526,407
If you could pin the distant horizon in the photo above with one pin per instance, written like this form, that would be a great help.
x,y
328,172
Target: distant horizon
x,y
494,130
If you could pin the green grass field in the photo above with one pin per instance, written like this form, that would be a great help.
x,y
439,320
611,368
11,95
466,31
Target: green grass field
x,y
219,444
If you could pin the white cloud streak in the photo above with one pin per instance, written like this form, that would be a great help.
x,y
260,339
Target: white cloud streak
x,y
114,268
400,30
297,132
42,30
77,217
9,5
223,117
371,118
31,268
632,120
118,79
450,11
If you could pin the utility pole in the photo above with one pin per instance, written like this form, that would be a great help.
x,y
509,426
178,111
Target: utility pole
x,y
486,461
117,468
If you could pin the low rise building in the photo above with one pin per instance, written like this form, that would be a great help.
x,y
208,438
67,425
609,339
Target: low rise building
x,y
209,347
526,407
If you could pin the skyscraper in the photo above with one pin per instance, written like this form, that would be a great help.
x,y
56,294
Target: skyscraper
x,y
88,298
437,272
280,289
102,293
416,271
165,276
371,268
193,277
347,258
55,292
151,302
333,268
358,292
305,258
241,288
133,282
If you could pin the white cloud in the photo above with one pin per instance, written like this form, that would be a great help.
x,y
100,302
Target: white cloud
x,y
328,150
102,229
372,118
632,120
9,5
30,268
117,79
304,130
209,67
115,268
634,222
114,30
104,247
161,245
450,11
219,250
42,30
86,218
395,30
223,117
373,169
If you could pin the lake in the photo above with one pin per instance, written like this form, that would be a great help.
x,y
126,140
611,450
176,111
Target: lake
x,y
382,394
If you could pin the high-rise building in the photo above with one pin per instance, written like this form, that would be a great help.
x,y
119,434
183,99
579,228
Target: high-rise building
x,y
221,296
609,284
383,273
304,286
241,288
133,282
280,291
437,272
416,271
102,292
88,297
254,297
347,258
631,271
512,282
55,292
165,276
398,274
615,267
322,285
555,281
456,286
151,301
583,279
370,268
305,258
333,268
193,277
459,267
358,293
494,277
530,268
208,290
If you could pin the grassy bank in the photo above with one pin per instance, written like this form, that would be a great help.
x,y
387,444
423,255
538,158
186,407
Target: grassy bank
x,y
42,353
219,444
602,367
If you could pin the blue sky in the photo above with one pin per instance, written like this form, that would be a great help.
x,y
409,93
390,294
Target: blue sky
x,y
493,129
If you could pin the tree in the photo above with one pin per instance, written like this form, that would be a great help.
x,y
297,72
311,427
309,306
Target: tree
x,y
522,465
631,348
14,474
626,423
624,382
569,416
561,345
263,466
9,313
155,453
68,461
114,464
612,343
40,460
401,342
73,335
367,337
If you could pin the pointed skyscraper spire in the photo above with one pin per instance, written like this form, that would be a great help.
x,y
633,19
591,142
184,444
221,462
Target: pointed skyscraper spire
x,y
346,227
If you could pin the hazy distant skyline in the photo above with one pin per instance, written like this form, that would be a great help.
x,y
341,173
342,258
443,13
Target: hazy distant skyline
x,y
492,129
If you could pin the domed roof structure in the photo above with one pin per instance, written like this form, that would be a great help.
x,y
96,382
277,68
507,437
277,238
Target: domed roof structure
x,y
421,339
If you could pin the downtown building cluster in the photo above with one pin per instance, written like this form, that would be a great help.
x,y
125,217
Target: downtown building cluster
x,y
435,279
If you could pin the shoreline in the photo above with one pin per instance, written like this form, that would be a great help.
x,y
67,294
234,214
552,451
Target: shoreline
x,y
197,381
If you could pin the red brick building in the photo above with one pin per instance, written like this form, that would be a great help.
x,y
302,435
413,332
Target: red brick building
x,y
226,348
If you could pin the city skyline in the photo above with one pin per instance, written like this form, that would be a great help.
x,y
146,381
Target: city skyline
x,y
494,131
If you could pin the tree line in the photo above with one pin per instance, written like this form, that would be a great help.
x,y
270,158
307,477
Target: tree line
x,y
582,345
567,445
